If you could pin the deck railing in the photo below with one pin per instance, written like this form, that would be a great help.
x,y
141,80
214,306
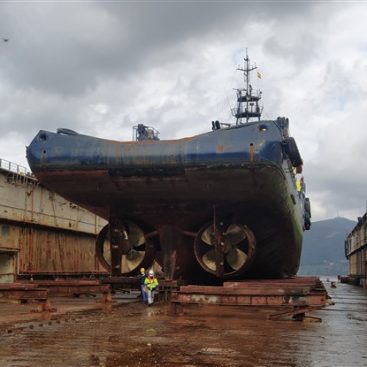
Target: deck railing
x,y
13,167
17,174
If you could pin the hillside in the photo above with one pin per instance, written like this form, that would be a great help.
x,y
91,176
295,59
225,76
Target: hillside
x,y
323,247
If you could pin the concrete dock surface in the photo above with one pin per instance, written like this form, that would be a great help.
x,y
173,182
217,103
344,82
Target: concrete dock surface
x,y
85,332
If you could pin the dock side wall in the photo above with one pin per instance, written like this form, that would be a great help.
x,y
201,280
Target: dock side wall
x,y
356,251
41,233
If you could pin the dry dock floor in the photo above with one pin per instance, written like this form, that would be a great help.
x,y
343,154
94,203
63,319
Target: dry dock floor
x,y
85,333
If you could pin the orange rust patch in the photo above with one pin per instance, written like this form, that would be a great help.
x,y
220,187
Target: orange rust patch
x,y
220,148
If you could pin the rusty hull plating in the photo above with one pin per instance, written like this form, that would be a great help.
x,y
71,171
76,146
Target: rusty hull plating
x,y
220,205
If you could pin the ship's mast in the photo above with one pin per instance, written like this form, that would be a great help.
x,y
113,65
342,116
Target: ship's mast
x,y
247,99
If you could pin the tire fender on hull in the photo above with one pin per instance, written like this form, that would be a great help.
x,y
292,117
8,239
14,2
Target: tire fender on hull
x,y
307,214
291,149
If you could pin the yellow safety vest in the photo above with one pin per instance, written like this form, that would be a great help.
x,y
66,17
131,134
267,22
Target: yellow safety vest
x,y
151,283
298,185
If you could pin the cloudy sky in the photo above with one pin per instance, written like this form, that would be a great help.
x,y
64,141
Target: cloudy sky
x,y
101,67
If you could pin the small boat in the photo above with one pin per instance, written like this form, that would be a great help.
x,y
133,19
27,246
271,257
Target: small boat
x,y
225,204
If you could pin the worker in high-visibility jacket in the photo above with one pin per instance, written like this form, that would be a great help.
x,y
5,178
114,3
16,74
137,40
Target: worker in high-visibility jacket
x,y
142,276
151,283
298,187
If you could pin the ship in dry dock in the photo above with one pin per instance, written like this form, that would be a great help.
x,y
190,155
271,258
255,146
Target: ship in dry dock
x,y
225,204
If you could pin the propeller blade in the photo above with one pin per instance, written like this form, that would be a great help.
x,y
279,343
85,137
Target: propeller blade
x,y
131,260
209,260
124,264
236,258
135,235
234,234
208,236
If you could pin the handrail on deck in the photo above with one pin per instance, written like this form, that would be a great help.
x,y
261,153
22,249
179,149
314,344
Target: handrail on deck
x,y
14,168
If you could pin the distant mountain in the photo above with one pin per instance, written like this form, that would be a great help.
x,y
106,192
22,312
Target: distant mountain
x,y
323,247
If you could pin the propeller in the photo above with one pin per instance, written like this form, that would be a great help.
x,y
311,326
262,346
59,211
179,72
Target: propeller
x,y
225,251
138,252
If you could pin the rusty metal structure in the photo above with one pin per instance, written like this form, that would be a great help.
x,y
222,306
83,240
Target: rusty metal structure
x,y
296,295
25,293
356,252
41,233
71,287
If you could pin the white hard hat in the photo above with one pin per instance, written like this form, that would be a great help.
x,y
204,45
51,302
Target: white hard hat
x,y
151,272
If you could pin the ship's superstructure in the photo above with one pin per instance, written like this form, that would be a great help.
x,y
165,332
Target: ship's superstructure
x,y
247,98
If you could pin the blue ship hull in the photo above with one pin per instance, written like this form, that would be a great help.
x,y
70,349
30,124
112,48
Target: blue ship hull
x,y
180,192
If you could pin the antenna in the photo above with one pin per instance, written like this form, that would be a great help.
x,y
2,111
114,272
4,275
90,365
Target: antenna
x,y
247,99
